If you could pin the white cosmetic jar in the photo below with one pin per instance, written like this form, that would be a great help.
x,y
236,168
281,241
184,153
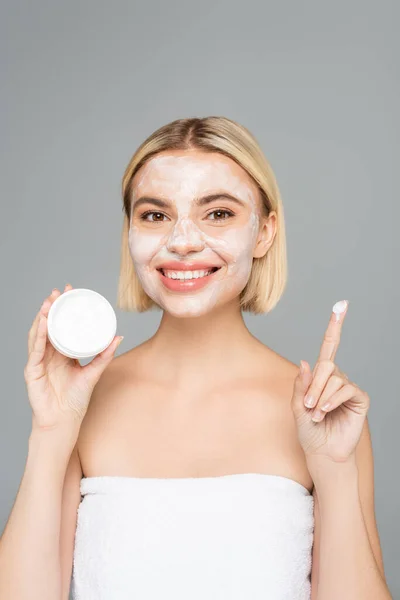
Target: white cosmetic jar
x,y
81,323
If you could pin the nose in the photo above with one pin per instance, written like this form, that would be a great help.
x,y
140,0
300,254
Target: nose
x,y
185,237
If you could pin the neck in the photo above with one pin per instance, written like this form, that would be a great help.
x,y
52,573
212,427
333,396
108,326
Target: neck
x,y
198,350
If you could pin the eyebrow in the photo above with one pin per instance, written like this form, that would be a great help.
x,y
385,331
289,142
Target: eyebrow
x,y
202,201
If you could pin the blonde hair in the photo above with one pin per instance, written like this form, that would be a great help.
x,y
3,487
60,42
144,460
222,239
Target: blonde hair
x,y
268,275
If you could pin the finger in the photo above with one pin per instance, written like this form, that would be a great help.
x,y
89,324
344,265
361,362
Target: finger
x,y
322,372
360,400
39,345
33,330
334,384
331,339
94,369
44,310
301,384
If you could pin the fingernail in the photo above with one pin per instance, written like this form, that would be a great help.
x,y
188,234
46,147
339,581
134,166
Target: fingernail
x,y
317,416
121,338
309,401
326,406
302,367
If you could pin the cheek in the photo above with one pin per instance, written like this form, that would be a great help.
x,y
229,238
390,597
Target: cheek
x,y
236,246
143,246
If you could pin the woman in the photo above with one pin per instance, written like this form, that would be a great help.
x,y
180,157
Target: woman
x,y
199,469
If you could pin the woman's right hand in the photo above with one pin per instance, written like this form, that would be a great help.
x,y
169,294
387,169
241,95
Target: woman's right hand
x,y
59,388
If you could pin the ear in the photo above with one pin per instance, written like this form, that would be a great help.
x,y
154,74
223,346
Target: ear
x,y
266,235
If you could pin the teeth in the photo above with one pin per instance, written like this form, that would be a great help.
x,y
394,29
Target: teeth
x,y
186,274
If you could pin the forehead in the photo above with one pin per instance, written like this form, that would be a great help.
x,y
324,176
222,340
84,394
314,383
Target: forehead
x,y
192,172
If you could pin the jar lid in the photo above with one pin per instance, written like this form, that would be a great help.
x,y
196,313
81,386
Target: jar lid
x,y
81,323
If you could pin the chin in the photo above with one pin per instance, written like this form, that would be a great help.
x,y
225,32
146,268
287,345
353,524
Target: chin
x,y
192,306
186,309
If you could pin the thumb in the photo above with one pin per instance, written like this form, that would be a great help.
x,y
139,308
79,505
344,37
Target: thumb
x,y
301,385
95,368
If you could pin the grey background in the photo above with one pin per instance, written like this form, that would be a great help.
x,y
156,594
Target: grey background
x,y
83,83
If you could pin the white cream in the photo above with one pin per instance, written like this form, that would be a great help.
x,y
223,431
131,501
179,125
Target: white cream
x,y
339,308
188,234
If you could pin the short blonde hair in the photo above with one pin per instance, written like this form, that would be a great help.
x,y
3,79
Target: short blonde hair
x,y
268,275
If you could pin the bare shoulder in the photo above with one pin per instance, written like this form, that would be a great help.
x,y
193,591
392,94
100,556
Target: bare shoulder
x,y
278,371
277,376
123,369
103,416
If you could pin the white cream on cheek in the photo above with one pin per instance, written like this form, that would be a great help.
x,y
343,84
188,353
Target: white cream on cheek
x,y
181,179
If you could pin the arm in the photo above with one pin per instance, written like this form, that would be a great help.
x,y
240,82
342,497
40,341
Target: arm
x,y
347,557
71,499
37,542
30,545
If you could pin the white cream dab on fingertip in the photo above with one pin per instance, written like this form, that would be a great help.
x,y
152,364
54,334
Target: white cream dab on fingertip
x,y
339,308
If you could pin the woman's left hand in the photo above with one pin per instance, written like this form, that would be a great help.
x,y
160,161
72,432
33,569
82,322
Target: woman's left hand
x,y
330,431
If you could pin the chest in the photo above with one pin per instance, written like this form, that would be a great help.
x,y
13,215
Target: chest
x,y
151,432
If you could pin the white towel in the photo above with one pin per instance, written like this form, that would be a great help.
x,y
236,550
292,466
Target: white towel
x,y
245,536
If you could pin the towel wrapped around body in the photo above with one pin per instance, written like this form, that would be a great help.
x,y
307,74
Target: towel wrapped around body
x,y
234,537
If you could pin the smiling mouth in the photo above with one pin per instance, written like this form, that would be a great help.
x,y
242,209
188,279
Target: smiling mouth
x,y
188,275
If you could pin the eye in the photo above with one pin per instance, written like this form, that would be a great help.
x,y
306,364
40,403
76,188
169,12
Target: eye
x,y
220,211
152,212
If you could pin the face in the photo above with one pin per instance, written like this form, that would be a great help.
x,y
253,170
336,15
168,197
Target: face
x,y
196,224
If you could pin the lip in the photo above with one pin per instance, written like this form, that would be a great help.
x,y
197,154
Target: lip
x,y
186,285
187,266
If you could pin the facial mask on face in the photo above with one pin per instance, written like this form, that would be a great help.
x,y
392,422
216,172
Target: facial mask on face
x,y
230,246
